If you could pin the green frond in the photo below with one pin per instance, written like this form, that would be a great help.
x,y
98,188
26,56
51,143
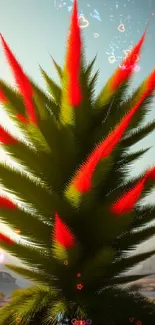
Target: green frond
x,y
107,111
99,176
55,309
50,105
67,113
26,189
30,274
140,115
128,185
95,268
125,264
34,304
136,238
12,114
53,88
138,135
57,67
32,160
83,115
59,252
106,98
37,138
25,305
6,315
121,166
108,227
126,279
29,255
32,290
112,187
142,216
42,112
61,141
125,305
116,110
88,70
130,158
39,163
13,96
93,82
32,227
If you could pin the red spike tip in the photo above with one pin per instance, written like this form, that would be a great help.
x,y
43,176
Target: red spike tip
x,y
6,239
3,99
5,203
62,234
127,67
127,202
22,118
73,59
6,138
22,81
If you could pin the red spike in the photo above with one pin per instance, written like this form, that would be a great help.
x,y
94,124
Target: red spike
x,y
5,203
19,116
129,63
150,82
6,239
127,202
22,118
73,59
82,180
22,81
151,173
5,137
3,99
62,234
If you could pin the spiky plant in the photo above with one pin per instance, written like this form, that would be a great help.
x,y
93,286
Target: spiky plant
x,y
73,206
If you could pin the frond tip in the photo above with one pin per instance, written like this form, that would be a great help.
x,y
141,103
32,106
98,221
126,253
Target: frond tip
x,y
5,137
6,239
6,203
127,67
62,234
3,99
126,203
73,60
22,81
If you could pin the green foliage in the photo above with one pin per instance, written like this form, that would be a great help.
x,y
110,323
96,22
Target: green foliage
x,y
28,224
26,304
138,135
80,278
142,216
58,68
53,88
13,97
27,273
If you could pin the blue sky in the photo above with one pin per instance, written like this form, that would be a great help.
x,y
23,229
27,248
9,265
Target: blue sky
x,y
36,28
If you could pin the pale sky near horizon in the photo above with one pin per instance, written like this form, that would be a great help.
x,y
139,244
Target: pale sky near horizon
x,y
36,28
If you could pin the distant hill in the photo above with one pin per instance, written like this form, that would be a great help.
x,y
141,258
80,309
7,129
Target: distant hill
x,y
6,277
8,288
10,281
20,281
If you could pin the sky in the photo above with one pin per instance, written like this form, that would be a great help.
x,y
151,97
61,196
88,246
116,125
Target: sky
x,y
36,29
